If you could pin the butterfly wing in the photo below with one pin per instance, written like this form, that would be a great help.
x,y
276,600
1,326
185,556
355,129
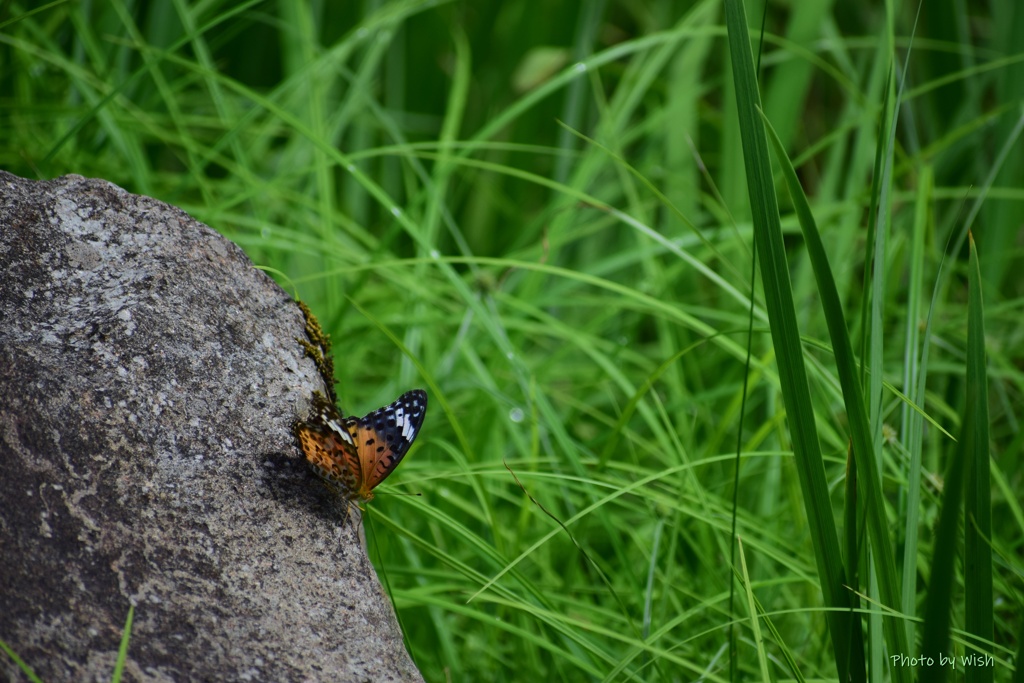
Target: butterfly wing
x,y
329,446
383,437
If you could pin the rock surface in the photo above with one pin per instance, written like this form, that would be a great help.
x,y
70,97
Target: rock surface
x,y
148,379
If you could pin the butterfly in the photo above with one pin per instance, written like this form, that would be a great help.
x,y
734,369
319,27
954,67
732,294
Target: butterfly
x,y
352,455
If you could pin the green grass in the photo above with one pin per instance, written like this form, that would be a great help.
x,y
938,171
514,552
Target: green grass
x,y
122,654
566,269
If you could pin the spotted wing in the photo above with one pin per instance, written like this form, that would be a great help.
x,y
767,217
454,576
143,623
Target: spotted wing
x,y
383,437
329,447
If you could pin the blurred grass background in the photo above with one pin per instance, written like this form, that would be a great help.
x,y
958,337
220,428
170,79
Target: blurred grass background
x,y
539,213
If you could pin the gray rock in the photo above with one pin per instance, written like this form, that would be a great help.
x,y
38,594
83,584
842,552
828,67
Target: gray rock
x,y
149,376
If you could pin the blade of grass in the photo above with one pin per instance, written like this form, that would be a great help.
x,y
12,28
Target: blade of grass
x,y
874,359
122,651
970,454
786,340
755,627
977,502
912,420
25,668
852,535
939,599
1018,661
872,330
25,15
860,427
